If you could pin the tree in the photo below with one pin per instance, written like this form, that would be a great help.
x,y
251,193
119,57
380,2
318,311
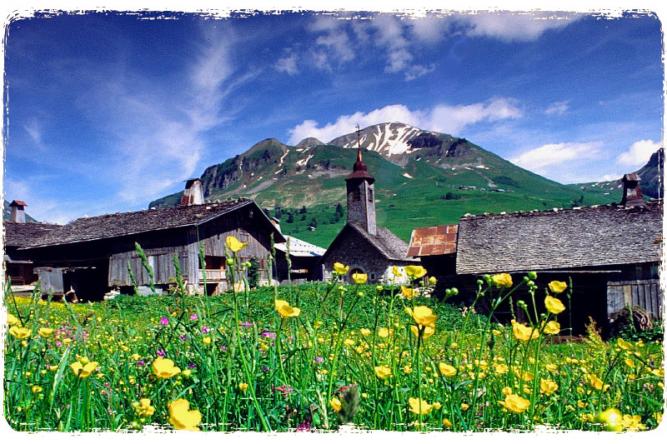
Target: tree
x,y
290,218
303,210
278,212
340,212
313,223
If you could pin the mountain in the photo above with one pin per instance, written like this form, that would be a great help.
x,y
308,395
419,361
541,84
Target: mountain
x,y
422,178
651,174
7,212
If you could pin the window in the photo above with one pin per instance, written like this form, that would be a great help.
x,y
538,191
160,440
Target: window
x,y
370,194
356,194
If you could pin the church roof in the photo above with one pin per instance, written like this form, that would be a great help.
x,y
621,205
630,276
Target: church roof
x,y
385,242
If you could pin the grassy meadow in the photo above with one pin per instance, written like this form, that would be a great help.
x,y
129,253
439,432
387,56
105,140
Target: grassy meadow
x,y
318,357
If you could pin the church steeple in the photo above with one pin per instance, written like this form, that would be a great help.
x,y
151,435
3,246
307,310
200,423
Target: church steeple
x,y
361,194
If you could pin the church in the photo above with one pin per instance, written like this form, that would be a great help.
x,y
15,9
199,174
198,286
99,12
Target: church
x,y
361,244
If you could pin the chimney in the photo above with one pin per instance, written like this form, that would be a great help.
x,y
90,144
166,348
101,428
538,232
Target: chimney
x,y
632,194
18,211
193,193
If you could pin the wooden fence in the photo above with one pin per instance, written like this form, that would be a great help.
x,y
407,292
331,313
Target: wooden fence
x,y
646,294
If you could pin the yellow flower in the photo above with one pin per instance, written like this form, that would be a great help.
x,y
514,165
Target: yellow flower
x,y
611,419
557,287
432,280
633,423
502,280
206,340
181,417
364,331
383,372
553,305
464,406
553,368
396,271
359,278
446,370
83,371
285,310
424,316
45,332
12,320
548,387
20,332
36,389
143,408
135,356
335,404
415,271
419,406
340,269
500,368
243,386
234,244
446,423
53,368
427,332
407,292
407,369
552,328
515,403
506,391
523,332
383,332
165,368
597,383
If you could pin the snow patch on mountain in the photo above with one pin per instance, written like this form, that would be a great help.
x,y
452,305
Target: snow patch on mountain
x,y
388,139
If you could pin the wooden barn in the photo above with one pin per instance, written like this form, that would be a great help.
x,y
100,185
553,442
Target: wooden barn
x,y
19,267
95,254
436,248
612,253
361,244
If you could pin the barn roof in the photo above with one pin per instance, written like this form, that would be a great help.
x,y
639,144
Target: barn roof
x,y
386,242
25,234
300,248
433,241
560,239
125,224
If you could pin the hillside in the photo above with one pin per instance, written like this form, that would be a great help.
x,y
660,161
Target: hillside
x,y
422,178
651,174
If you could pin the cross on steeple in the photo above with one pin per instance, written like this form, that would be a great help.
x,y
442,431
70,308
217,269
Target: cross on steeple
x,y
358,144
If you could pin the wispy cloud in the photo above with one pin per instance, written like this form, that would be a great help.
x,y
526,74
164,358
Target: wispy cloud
x,y
638,154
512,26
557,108
287,64
443,118
542,158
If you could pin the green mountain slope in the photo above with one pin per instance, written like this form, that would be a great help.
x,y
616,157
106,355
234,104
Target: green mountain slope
x,y
422,178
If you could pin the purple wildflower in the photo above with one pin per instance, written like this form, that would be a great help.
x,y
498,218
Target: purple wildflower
x,y
164,320
192,365
161,353
140,363
59,344
223,348
265,369
205,329
304,426
183,337
246,324
268,334
318,359
193,317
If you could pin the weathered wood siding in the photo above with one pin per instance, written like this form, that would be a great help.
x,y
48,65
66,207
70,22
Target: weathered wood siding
x,y
642,293
50,280
160,260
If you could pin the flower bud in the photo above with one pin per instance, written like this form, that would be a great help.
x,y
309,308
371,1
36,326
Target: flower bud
x,y
532,275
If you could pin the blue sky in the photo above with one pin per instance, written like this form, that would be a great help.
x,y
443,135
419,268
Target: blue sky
x,y
107,112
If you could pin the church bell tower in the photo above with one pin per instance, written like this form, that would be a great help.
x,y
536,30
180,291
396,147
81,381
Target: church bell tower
x,y
361,194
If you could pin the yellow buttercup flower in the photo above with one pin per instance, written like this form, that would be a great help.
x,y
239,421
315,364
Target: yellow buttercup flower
x,y
612,420
335,404
426,331
523,332
383,332
548,387
45,332
20,332
515,403
419,407
415,271
557,287
359,278
285,310
424,316
552,328
597,383
181,417
432,280
407,292
12,320
633,423
383,371
83,371
234,244
502,280
554,305
243,386
500,368
36,389
340,269
447,370
206,340
364,332
165,368
143,408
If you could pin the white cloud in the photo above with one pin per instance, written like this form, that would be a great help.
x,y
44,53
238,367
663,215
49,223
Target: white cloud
x,y
557,108
334,38
287,64
544,157
443,118
512,27
429,29
638,154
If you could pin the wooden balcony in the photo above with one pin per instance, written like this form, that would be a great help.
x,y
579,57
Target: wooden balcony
x,y
212,276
